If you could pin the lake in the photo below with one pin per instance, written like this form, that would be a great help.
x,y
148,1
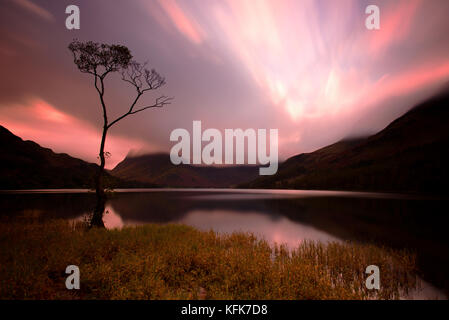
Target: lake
x,y
278,216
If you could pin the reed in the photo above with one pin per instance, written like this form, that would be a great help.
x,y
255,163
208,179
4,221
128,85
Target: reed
x,y
180,262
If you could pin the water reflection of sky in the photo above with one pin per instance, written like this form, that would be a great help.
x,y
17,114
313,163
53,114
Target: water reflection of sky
x,y
280,230
281,216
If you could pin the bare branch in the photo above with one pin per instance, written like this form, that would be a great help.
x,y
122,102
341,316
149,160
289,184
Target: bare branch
x,y
159,103
88,56
141,78
101,59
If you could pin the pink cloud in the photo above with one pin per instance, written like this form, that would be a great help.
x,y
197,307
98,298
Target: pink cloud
x,y
185,25
35,9
309,68
43,123
424,77
281,45
395,24
289,50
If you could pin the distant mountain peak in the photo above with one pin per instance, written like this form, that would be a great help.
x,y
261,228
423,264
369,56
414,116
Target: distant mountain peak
x,y
27,165
410,155
157,168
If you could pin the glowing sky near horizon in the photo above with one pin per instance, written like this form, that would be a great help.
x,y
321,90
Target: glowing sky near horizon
x,y
307,67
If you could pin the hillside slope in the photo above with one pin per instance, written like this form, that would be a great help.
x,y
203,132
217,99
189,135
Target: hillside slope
x,y
158,169
409,155
27,165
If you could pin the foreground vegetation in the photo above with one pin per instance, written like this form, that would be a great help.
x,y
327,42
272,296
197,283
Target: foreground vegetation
x,y
179,262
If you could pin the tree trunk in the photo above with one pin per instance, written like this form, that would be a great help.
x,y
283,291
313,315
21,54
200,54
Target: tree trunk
x,y
97,217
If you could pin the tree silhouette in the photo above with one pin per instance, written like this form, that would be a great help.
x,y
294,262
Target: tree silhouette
x,y
100,60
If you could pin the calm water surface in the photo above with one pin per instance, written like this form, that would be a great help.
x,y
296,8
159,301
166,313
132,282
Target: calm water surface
x,y
278,216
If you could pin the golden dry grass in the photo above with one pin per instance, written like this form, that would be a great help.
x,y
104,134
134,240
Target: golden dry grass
x,y
179,262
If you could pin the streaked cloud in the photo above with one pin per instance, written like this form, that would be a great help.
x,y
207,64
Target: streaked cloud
x,y
43,123
307,67
180,19
396,24
35,9
291,49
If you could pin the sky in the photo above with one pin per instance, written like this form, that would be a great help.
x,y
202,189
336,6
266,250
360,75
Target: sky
x,y
309,68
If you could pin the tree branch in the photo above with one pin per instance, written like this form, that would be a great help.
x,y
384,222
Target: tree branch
x,y
160,102
101,95
101,59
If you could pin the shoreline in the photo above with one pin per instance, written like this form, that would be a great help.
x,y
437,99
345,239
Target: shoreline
x,y
176,261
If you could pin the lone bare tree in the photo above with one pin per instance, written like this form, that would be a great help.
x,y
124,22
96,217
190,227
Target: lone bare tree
x,y
100,60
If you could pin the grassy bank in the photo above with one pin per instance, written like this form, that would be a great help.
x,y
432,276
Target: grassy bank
x,y
179,262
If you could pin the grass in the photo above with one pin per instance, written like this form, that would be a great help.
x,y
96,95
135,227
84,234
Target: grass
x,y
180,262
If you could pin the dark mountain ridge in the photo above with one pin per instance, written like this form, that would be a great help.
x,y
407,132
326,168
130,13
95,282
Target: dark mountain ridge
x,y
410,155
158,169
27,165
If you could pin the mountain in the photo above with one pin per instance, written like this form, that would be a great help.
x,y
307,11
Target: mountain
x,y
158,169
409,155
27,165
